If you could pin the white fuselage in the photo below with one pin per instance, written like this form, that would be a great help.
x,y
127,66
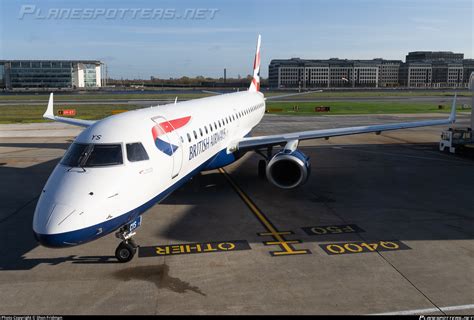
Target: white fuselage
x,y
82,203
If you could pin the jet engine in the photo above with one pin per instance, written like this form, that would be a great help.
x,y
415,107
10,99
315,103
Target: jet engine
x,y
288,169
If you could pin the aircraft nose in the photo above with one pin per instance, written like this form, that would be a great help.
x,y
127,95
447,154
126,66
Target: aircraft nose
x,y
48,240
51,220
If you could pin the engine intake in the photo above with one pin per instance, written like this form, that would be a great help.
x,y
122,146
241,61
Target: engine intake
x,y
288,169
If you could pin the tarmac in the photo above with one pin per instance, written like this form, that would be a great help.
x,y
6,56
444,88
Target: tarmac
x,y
384,225
440,100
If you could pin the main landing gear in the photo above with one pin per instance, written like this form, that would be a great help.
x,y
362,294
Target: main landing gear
x,y
127,248
262,164
262,167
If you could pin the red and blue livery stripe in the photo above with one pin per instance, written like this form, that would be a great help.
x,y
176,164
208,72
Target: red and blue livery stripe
x,y
161,133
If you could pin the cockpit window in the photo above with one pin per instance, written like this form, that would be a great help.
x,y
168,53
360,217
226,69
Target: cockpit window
x,y
74,155
105,155
136,152
93,155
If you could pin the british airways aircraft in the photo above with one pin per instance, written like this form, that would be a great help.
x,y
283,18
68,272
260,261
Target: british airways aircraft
x,y
120,166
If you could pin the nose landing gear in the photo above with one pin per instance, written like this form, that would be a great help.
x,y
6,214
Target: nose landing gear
x,y
127,248
126,251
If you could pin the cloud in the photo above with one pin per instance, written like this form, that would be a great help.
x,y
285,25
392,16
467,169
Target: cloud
x,y
107,58
428,20
181,31
428,28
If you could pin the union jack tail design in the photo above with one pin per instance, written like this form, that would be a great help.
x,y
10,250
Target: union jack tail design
x,y
255,85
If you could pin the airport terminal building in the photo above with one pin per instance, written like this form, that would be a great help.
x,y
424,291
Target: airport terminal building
x,y
435,69
295,72
425,69
47,74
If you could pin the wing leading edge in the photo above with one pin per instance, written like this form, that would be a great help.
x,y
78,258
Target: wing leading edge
x,y
49,114
266,141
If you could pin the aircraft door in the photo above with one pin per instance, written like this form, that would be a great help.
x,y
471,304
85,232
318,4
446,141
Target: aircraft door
x,y
169,142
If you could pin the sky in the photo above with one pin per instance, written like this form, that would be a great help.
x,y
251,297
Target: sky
x,y
141,38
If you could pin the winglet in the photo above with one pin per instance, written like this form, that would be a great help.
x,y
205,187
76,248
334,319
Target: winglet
x,y
452,116
255,85
49,113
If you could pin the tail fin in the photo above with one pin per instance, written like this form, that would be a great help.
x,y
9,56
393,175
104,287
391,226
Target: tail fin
x,y
255,85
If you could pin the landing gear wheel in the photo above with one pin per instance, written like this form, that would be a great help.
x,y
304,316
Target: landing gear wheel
x,y
132,243
262,166
125,252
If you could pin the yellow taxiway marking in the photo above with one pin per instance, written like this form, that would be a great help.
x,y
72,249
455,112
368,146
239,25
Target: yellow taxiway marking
x,y
277,243
281,233
285,245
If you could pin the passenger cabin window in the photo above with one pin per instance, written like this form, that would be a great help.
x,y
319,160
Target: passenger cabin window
x,y
93,155
189,137
136,152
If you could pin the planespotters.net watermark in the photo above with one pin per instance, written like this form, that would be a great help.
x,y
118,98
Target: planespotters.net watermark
x,y
31,11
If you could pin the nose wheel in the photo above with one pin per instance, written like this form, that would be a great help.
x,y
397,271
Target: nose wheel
x,y
127,248
126,251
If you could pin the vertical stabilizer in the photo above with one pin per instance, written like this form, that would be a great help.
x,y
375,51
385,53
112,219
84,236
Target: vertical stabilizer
x,y
255,85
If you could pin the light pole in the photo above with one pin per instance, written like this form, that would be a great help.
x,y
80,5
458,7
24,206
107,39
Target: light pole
x,y
471,84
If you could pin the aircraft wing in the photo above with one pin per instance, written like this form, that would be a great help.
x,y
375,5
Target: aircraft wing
x,y
49,114
282,139
212,92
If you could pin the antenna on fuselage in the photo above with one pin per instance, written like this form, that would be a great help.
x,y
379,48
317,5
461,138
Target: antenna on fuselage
x,y
176,100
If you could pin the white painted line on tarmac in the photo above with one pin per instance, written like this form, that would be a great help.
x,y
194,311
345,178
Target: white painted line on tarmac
x,y
349,147
409,156
426,311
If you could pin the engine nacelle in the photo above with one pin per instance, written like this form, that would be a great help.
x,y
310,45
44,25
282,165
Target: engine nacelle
x,y
288,169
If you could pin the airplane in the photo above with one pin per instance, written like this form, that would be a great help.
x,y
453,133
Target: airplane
x,y
119,167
